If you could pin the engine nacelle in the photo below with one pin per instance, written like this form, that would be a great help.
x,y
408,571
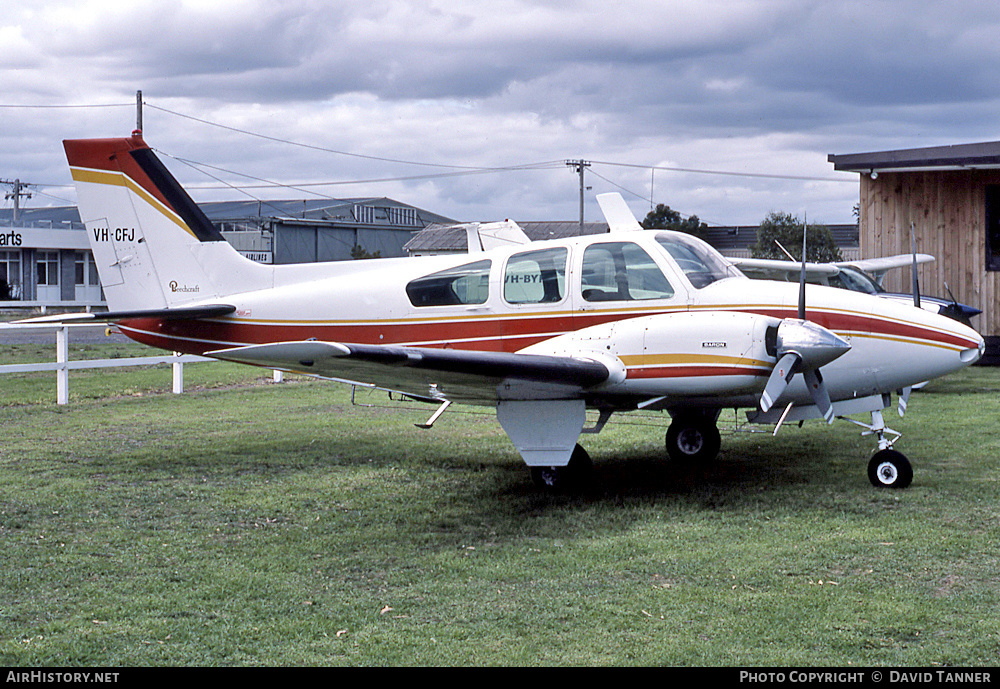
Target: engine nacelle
x,y
724,357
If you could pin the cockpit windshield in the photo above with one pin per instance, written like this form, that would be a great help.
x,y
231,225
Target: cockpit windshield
x,y
701,265
854,280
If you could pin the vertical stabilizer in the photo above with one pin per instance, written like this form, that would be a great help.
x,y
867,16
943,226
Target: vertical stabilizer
x,y
619,216
153,246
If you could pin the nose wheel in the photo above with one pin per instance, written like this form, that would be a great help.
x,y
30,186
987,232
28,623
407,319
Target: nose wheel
x,y
890,469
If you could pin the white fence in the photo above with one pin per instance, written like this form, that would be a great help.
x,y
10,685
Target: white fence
x,y
62,365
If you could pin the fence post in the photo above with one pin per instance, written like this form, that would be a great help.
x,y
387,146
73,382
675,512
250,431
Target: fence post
x,y
178,375
62,371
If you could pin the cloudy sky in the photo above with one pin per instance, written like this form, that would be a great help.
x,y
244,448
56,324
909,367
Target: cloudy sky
x,y
724,110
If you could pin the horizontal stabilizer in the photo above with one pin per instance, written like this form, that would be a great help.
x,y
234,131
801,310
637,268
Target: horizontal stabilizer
x,y
178,313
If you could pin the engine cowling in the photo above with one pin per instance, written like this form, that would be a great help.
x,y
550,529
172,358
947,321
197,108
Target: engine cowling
x,y
723,357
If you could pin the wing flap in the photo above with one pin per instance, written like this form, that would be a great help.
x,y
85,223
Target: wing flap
x,y
459,375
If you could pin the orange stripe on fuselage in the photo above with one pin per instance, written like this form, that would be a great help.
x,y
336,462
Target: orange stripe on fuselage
x,y
501,333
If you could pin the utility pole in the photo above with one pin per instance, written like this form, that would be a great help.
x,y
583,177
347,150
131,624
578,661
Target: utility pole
x,y
580,166
16,194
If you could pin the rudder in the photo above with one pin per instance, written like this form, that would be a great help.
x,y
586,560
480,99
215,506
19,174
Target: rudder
x,y
148,237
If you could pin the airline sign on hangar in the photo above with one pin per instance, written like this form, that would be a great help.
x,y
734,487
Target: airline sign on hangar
x,y
258,256
44,238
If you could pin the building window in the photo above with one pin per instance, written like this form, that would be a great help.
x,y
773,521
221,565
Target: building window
x,y
10,275
86,269
993,227
47,265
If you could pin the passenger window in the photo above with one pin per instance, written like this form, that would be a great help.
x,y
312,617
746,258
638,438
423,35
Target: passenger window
x,y
466,284
617,271
536,277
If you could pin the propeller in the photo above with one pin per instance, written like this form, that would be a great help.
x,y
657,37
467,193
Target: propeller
x,y
916,281
803,347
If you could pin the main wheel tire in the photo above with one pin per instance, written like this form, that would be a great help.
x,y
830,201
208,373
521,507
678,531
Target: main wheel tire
x,y
692,439
565,479
890,469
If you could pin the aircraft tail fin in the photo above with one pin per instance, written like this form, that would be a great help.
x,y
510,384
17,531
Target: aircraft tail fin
x,y
153,245
619,216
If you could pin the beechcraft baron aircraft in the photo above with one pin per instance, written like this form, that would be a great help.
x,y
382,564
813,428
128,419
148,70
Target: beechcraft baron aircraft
x,y
541,331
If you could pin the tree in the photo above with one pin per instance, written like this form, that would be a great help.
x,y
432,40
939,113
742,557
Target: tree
x,y
784,228
665,218
358,252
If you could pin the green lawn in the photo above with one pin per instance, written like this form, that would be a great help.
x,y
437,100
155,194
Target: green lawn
x,y
252,523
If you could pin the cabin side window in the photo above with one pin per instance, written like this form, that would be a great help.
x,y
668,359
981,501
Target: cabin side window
x,y
465,284
536,277
616,271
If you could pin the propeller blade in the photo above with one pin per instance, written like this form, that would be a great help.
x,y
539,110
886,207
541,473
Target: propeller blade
x,y
819,393
802,275
904,398
779,379
916,281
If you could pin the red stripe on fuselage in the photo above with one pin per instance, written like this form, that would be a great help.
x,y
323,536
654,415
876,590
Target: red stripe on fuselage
x,y
693,371
501,334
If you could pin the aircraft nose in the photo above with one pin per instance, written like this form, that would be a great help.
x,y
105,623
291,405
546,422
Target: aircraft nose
x,y
973,354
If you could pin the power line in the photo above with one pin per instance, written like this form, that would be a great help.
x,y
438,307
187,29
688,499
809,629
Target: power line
x,y
762,175
56,107
380,159
18,189
306,186
644,198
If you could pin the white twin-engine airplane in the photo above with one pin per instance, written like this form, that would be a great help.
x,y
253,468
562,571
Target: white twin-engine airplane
x,y
543,330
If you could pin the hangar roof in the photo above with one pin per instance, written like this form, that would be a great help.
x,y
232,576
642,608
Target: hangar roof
x,y
958,157
326,210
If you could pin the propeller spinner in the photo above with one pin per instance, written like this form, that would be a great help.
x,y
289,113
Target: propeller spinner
x,y
803,347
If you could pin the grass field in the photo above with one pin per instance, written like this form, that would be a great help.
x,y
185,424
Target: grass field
x,y
252,523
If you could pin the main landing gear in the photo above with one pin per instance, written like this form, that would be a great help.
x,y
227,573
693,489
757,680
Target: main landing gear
x,y
693,438
565,479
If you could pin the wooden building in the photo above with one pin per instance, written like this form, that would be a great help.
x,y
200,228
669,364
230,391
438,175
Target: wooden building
x,y
950,196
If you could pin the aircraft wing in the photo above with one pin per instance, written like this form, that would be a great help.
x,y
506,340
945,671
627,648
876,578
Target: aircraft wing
x,y
878,267
430,374
783,270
